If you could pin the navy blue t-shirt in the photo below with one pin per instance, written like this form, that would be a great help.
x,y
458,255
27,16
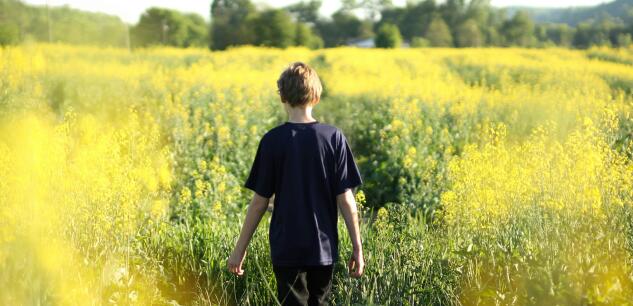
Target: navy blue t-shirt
x,y
305,165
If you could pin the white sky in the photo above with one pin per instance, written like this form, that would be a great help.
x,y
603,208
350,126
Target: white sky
x,y
130,10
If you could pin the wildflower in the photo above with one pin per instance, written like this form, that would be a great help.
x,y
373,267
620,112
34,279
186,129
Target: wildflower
x,y
159,208
202,165
217,207
360,197
185,196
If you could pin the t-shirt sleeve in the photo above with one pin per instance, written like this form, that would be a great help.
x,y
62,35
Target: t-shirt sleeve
x,y
262,175
346,174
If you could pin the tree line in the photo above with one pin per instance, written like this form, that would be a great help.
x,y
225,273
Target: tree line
x,y
20,22
426,23
452,23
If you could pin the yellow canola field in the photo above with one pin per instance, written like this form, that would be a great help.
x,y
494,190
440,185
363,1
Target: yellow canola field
x,y
111,159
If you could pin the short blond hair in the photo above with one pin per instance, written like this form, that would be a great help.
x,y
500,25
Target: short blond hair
x,y
299,85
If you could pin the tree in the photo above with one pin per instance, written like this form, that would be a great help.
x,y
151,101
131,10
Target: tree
x,y
275,29
439,34
372,8
469,34
159,26
491,27
519,30
419,42
624,40
394,15
417,18
560,34
388,36
9,34
197,31
306,12
12,19
452,12
19,22
304,36
343,27
588,35
231,23
480,11
540,33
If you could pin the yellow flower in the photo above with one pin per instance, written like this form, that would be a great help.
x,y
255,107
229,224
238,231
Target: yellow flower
x,y
159,208
185,196
202,165
217,207
224,133
382,213
397,124
360,197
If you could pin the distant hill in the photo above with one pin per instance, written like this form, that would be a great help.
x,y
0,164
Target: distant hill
x,y
619,10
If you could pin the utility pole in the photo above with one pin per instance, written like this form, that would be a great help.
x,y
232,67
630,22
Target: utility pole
x,y
165,28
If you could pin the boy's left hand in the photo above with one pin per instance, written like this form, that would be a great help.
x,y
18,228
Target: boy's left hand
x,y
234,263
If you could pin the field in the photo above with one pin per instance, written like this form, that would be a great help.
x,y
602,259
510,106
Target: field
x,y
492,176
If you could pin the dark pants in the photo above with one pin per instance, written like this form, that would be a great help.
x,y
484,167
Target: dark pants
x,y
303,286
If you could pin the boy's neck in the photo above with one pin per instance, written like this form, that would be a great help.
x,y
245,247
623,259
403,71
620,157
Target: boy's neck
x,y
300,114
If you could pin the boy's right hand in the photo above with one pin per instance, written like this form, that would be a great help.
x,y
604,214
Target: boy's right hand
x,y
356,264
234,263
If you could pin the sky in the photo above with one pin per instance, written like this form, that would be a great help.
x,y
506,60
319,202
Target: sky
x,y
130,10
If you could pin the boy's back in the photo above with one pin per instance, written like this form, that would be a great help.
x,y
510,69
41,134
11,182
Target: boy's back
x,y
306,165
310,169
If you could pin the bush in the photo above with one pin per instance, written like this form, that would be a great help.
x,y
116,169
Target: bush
x,y
388,36
420,42
9,34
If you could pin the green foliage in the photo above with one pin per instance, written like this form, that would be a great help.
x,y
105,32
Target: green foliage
x,y
9,34
159,26
10,15
274,29
624,40
412,20
343,27
476,23
231,23
306,12
197,31
388,36
589,35
452,12
439,34
237,22
420,42
573,16
371,8
304,36
20,22
519,30
559,34
469,34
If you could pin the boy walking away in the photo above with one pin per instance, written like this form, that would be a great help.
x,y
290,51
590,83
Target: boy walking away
x,y
310,169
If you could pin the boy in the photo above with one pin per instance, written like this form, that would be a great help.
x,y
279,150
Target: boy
x,y
310,169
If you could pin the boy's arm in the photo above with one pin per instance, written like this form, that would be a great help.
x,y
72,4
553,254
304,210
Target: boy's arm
x,y
256,210
347,206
